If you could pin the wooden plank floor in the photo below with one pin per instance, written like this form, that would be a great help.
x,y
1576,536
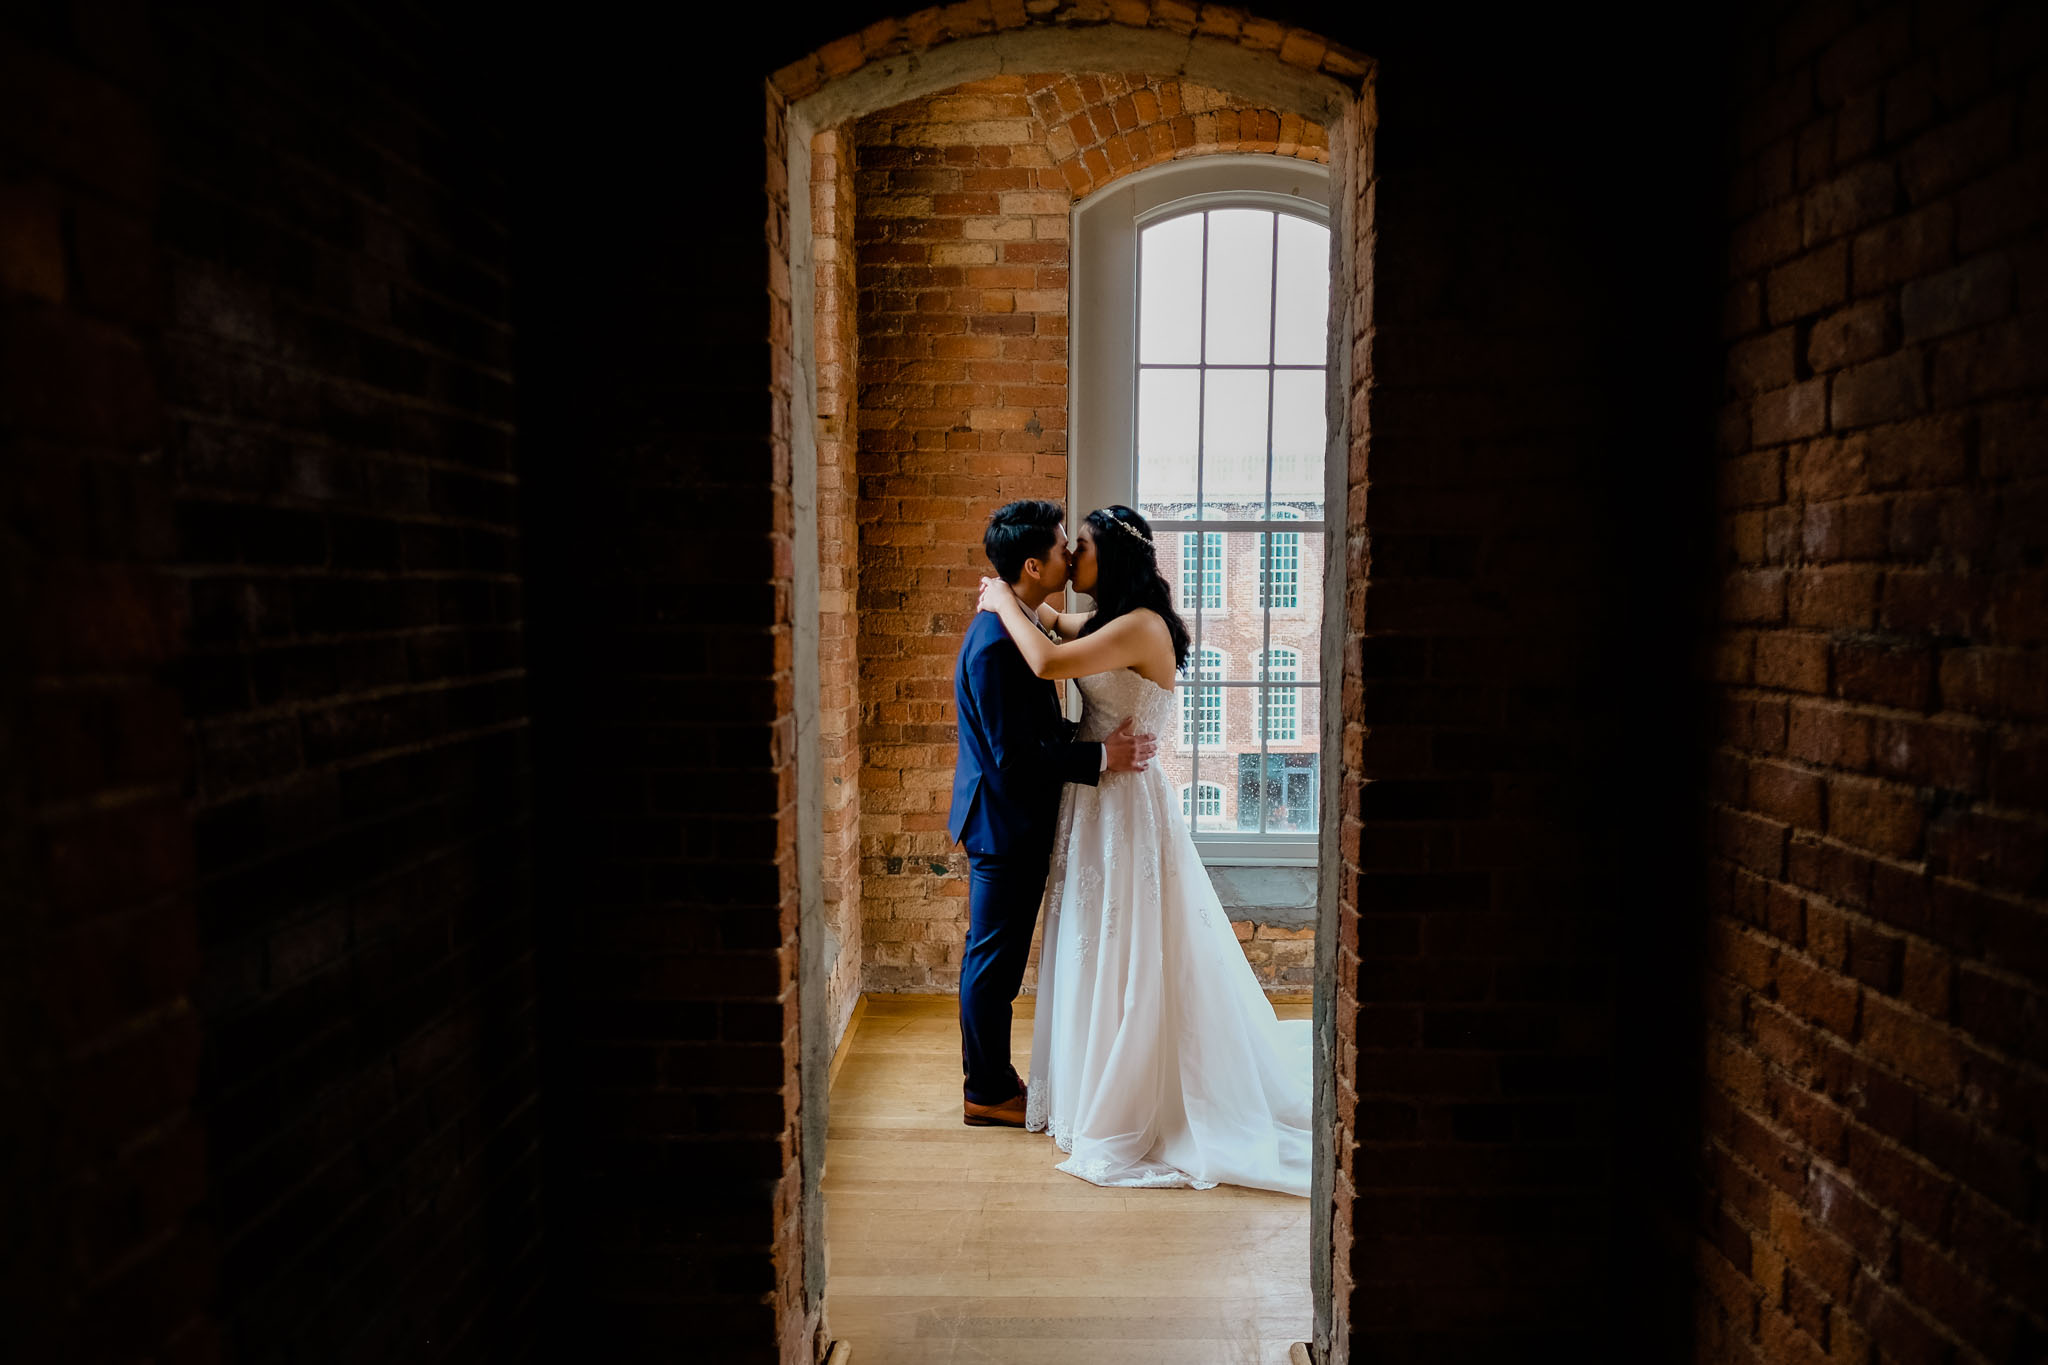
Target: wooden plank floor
x,y
946,1243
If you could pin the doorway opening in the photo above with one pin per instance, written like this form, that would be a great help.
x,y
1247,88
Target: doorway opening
x,y
872,191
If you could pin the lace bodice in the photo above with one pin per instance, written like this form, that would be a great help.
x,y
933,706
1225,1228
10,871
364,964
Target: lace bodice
x,y
1106,698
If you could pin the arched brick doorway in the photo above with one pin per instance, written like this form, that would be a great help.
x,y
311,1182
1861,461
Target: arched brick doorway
x,y
1296,94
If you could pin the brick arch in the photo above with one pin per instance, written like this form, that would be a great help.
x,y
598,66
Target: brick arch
x,y
917,34
1295,94
1103,127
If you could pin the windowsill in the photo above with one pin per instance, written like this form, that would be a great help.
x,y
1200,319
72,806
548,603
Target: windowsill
x,y
1280,897
1227,852
1238,860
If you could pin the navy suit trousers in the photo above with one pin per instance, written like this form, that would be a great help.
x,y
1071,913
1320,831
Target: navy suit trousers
x,y
1003,894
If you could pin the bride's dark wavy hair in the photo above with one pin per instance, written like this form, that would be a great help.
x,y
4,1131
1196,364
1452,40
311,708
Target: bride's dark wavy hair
x,y
1127,575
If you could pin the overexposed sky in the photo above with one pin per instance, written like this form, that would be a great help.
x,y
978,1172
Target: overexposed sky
x,y
1248,323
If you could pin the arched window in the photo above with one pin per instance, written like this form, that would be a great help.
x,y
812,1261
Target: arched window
x,y
1199,363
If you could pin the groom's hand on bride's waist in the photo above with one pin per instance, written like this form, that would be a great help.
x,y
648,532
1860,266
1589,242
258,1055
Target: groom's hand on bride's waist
x,y
1124,752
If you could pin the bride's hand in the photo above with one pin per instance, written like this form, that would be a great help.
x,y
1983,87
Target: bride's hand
x,y
993,592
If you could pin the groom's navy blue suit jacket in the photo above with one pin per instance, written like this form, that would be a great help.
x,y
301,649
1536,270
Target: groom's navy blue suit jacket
x,y
1015,747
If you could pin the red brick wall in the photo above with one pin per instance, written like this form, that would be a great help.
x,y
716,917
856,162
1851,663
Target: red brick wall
x,y
963,354
337,353
1283,959
1100,127
837,350
1876,1108
104,1254
783,1296
1355,219
961,217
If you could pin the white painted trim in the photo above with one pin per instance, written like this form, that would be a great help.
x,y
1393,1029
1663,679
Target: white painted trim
x,y
1102,467
1265,856
1102,297
1270,200
814,1061
1304,184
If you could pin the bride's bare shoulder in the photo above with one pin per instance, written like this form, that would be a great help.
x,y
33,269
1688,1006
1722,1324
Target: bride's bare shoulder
x,y
1156,663
1151,619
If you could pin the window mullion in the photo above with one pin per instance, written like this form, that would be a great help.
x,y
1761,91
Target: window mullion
x,y
1137,371
1264,711
1201,547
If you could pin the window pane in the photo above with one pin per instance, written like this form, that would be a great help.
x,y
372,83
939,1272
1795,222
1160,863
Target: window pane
x,y
1201,708
1280,665
1298,604
1200,581
1302,310
1239,444
1290,791
1278,715
1170,292
1280,571
1168,404
1168,551
1238,624
1299,425
1240,287
1234,444
1204,720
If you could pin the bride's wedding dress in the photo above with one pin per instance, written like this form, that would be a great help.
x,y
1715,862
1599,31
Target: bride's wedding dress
x,y
1155,1057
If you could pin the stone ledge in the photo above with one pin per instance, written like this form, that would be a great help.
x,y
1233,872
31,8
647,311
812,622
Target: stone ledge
x,y
1278,897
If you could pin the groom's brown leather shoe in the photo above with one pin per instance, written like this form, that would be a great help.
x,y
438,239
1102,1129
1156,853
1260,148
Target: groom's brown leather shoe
x,y
1008,1114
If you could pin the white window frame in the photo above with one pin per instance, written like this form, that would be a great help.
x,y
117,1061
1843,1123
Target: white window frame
x,y
1102,397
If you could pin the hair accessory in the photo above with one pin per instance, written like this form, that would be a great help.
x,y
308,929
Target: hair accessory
x,y
1128,529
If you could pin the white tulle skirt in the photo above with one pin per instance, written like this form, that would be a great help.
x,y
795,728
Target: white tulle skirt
x,y
1156,1059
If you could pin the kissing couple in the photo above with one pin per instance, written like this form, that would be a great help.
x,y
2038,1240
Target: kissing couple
x,y
1156,1059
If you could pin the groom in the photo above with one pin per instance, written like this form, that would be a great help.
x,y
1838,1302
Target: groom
x,y
1016,750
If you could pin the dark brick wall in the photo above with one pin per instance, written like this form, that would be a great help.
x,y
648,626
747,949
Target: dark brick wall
x,y
338,434
280,936
657,469
270,1058
1877,1109
1527,537
104,1254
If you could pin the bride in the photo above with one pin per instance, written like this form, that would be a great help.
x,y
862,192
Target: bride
x,y
1155,1058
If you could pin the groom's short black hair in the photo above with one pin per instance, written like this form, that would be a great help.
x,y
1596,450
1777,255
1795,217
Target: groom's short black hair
x,y
1019,531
